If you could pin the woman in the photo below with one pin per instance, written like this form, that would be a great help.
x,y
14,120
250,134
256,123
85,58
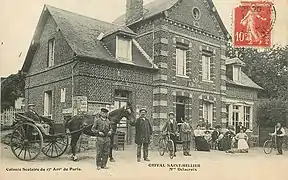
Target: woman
x,y
201,143
242,141
227,139
279,133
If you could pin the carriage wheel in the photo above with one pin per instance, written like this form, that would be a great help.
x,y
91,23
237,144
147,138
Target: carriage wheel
x,y
268,146
55,146
26,141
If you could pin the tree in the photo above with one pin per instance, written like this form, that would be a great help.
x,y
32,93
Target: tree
x,y
11,89
269,69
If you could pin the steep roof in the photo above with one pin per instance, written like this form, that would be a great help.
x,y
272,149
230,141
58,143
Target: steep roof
x,y
81,33
151,9
159,6
245,82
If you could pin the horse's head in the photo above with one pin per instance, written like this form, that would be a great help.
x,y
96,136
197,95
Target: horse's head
x,y
126,111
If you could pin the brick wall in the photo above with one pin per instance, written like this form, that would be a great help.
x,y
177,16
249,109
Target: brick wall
x,y
62,54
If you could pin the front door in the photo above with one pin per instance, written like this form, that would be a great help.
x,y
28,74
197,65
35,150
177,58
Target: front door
x,y
121,99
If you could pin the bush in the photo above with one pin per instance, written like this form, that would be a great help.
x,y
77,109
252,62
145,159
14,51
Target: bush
x,y
271,112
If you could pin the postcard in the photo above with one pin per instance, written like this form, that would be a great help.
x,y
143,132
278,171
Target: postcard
x,y
144,89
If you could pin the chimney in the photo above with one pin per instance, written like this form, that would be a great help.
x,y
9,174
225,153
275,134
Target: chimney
x,y
134,10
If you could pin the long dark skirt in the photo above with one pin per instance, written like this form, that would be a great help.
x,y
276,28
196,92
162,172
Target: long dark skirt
x,y
201,144
225,144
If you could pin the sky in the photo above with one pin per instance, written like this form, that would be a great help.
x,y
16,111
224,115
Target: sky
x,y
18,20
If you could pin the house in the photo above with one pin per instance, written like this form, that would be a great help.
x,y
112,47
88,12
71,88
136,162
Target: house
x,y
168,55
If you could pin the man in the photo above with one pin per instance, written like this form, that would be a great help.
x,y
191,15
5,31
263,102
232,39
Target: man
x,y
186,137
171,127
143,134
215,137
103,130
38,120
279,133
239,127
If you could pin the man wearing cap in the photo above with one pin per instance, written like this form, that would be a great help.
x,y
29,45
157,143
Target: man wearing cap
x,y
103,130
32,114
172,128
38,120
143,134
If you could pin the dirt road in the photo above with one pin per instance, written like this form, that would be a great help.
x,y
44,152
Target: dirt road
x,y
213,165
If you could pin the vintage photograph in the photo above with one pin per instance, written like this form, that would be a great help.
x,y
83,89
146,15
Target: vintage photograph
x,y
144,89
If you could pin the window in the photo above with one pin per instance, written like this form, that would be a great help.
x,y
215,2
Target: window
x,y
180,62
124,50
237,73
51,50
206,67
48,104
196,13
208,113
235,115
247,116
63,94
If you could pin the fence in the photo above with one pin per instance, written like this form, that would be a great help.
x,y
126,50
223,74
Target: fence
x,y
8,116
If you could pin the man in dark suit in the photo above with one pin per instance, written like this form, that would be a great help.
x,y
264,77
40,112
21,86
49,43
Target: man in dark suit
x,y
172,128
32,114
239,127
143,134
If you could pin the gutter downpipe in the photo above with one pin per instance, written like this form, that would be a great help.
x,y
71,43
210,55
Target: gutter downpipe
x,y
72,78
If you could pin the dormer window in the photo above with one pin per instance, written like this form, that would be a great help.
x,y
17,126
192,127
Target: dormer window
x,y
236,73
123,48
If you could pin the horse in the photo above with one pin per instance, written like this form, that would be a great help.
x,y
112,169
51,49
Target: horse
x,y
83,123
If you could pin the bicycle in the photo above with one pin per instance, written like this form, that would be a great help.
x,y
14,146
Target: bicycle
x,y
166,145
270,144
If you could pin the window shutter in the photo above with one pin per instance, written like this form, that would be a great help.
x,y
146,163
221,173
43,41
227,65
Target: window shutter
x,y
46,104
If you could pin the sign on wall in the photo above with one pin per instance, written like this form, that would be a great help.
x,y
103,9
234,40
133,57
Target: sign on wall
x,y
80,104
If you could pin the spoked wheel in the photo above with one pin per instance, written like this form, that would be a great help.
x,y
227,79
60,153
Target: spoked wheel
x,y
55,146
268,146
162,147
26,141
170,146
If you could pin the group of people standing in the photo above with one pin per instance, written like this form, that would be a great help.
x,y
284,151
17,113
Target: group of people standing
x,y
223,139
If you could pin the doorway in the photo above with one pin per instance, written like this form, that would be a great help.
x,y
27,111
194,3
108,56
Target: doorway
x,y
180,114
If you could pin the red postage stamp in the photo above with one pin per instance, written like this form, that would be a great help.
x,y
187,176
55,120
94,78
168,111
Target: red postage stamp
x,y
253,22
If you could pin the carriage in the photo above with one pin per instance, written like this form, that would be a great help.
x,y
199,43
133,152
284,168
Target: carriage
x,y
28,139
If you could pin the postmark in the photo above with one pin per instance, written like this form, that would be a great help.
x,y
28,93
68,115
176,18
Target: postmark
x,y
253,24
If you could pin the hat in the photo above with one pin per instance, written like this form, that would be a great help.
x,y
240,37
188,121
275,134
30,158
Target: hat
x,y
217,126
171,113
31,105
142,109
105,110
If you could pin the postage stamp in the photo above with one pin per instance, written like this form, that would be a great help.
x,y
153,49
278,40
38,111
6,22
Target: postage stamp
x,y
253,22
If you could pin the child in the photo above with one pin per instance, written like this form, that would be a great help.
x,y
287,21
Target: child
x,y
185,135
242,141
